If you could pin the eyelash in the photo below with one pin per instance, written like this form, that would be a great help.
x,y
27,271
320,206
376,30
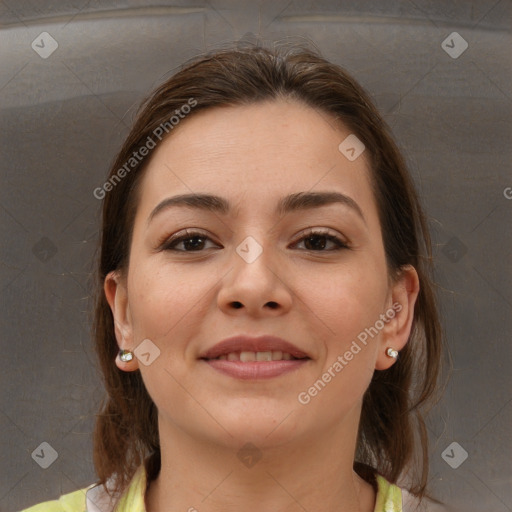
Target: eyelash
x,y
173,241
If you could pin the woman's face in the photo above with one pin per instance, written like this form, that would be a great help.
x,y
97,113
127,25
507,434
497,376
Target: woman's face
x,y
253,270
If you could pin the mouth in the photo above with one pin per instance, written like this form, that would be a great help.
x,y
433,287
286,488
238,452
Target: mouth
x,y
248,358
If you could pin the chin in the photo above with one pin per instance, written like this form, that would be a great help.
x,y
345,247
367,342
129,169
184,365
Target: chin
x,y
264,430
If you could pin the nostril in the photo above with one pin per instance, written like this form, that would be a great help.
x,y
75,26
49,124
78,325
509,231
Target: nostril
x,y
272,305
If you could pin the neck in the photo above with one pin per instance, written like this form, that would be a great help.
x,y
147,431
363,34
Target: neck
x,y
202,476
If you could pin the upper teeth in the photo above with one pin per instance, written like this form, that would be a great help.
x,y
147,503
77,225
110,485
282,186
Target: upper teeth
x,y
274,355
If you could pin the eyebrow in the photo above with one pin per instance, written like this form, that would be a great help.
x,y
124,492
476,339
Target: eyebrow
x,y
293,202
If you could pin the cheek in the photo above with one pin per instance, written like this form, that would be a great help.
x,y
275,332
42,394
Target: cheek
x,y
347,300
161,300
348,303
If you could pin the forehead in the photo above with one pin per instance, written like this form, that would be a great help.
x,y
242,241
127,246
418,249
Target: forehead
x,y
255,154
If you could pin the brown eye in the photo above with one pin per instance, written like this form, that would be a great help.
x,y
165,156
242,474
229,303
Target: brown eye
x,y
193,241
316,241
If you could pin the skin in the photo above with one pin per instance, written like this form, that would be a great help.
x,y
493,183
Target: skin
x,y
323,298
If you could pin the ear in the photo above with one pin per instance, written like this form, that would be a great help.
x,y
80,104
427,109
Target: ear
x,y
117,297
400,315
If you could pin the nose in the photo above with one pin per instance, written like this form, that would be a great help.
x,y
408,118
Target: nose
x,y
255,285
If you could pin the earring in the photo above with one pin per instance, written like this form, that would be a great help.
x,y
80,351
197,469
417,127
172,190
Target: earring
x,y
125,355
391,352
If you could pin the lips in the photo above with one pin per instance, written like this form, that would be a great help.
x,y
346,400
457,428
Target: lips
x,y
245,344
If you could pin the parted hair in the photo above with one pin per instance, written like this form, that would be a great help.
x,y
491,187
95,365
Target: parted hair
x,y
392,438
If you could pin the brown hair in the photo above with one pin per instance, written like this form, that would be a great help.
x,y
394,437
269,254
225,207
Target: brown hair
x,y
126,429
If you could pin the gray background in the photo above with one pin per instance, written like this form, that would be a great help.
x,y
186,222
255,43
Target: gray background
x,y
64,117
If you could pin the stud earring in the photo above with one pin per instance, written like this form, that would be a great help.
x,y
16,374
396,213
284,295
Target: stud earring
x,y
125,355
391,352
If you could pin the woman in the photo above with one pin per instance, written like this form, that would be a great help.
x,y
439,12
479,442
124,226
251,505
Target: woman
x,y
264,293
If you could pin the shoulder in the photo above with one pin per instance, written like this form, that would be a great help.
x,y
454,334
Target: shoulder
x,y
72,502
391,498
99,498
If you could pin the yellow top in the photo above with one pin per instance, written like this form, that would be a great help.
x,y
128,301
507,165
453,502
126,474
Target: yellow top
x,y
94,499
